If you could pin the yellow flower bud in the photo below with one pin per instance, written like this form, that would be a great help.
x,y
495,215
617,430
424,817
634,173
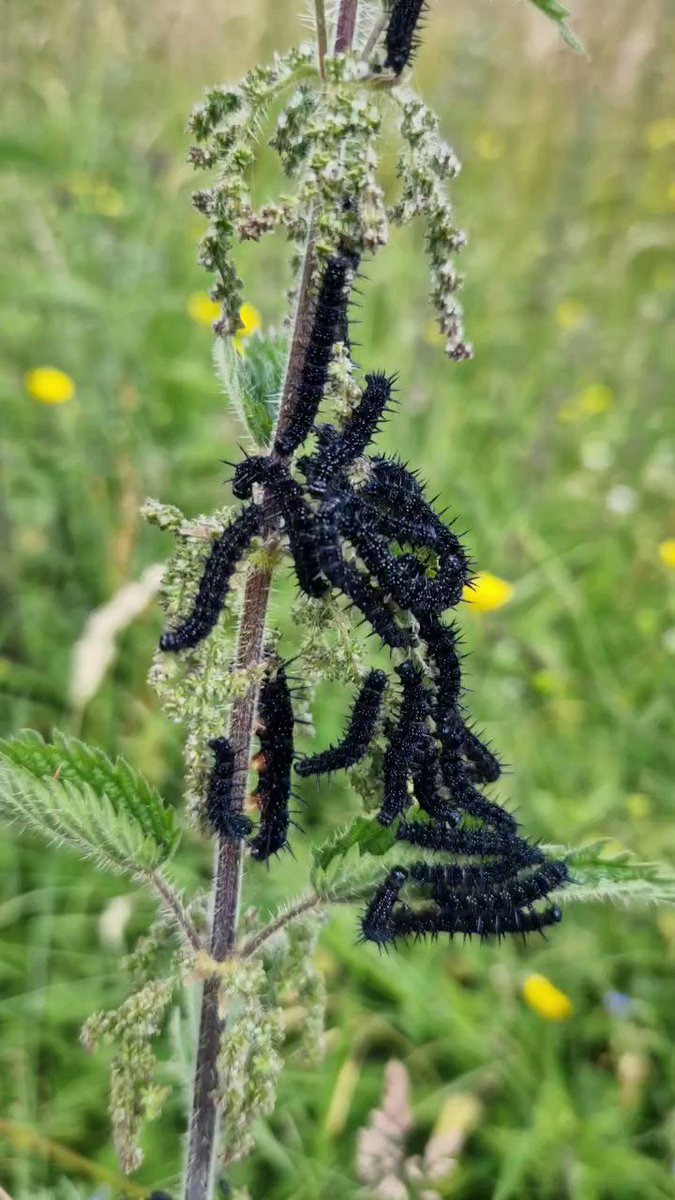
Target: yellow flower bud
x,y
546,999
49,385
488,592
251,321
202,309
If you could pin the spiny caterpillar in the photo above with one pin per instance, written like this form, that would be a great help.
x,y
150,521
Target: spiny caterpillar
x,y
361,525
442,877
377,920
467,917
401,38
219,568
492,897
483,765
338,448
329,326
409,744
275,734
354,584
220,815
291,507
490,844
358,734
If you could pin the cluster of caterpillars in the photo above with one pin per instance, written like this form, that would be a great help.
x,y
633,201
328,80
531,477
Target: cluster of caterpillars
x,y
361,525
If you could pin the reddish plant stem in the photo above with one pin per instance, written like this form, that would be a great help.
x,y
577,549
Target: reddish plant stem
x,y
346,26
226,889
206,1105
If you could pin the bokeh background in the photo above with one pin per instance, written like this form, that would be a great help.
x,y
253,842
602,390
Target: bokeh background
x,y
556,447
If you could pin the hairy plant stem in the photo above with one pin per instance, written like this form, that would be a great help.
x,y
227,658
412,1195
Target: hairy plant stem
x,y
346,25
373,37
290,914
321,33
174,905
225,901
206,1104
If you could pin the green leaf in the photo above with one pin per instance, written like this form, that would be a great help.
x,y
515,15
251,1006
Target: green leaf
x,y
75,816
252,381
82,795
602,871
350,878
368,835
356,859
557,13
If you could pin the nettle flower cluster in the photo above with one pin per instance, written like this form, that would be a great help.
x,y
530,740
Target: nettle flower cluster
x,y
355,524
326,137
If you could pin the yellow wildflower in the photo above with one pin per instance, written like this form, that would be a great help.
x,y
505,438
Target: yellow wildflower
x,y
546,999
202,309
49,385
595,399
251,321
489,145
488,592
660,133
639,806
667,553
570,313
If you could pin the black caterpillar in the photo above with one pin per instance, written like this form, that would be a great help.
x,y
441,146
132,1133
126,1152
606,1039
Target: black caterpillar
x,y
358,734
300,521
468,919
483,766
275,734
490,898
329,325
377,920
347,578
409,744
401,38
220,565
223,820
441,836
404,576
362,525
403,511
337,449
444,881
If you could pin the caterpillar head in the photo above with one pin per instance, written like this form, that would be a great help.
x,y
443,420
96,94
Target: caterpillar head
x,y
247,473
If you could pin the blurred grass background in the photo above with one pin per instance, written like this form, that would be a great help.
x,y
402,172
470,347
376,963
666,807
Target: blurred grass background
x,y
555,445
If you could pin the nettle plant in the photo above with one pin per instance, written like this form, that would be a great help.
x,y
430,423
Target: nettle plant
x,y
431,854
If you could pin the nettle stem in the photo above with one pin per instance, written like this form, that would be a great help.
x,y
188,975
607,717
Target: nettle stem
x,y
206,1104
225,901
346,26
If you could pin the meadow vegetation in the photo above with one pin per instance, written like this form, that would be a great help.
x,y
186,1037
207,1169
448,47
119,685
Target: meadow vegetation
x,y
555,446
